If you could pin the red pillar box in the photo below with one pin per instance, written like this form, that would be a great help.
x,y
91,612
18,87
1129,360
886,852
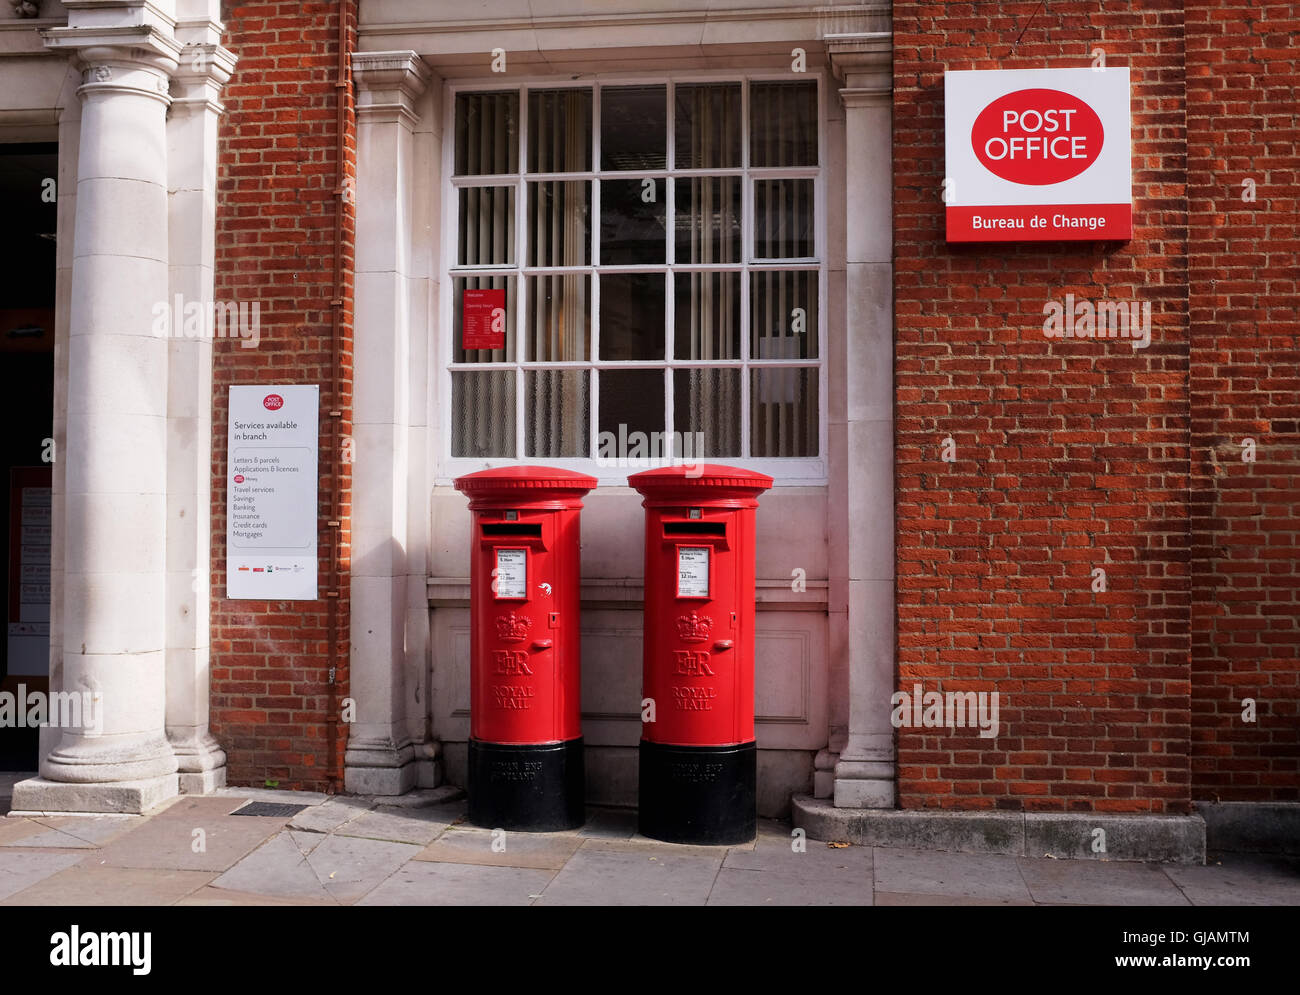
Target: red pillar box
x,y
698,758
525,748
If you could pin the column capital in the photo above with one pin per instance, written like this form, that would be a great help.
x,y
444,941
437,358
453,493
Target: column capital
x,y
864,62
200,76
388,85
133,58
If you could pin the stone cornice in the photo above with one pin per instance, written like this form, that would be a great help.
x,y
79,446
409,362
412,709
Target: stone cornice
x,y
388,85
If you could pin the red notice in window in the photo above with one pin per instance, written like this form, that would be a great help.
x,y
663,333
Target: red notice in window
x,y
483,319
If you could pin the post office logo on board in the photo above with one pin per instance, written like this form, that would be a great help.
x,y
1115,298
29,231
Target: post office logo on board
x,y
1037,136
273,402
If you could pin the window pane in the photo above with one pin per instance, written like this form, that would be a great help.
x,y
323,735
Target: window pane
x,y
631,316
487,226
460,284
487,133
557,409
634,127
708,316
559,131
631,401
707,126
783,219
483,413
559,223
783,124
708,219
783,412
633,222
783,319
706,404
557,322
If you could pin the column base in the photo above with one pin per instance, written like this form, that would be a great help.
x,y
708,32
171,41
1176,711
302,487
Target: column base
x,y
530,788
382,767
39,795
864,784
698,794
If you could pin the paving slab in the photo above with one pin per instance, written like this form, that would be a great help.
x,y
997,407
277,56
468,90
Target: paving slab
x,y
602,876
86,832
886,898
20,870
983,876
431,883
306,842
199,807
349,867
274,795
541,851
771,873
89,884
202,843
608,824
399,825
1094,882
278,869
1240,879
329,815
209,895
17,828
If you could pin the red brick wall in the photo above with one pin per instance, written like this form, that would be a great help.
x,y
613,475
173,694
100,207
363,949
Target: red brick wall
x,y
1245,351
273,707
1070,454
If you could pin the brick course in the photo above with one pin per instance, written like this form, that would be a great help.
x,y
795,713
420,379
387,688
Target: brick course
x,y
273,707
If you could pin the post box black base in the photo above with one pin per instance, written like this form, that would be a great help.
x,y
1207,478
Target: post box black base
x,y
526,788
698,794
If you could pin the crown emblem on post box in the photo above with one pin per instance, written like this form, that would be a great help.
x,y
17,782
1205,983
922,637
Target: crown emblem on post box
x,y
513,628
693,628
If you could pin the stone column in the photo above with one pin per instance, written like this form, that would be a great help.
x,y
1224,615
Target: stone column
x,y
115,513
192,184
384,755
865,771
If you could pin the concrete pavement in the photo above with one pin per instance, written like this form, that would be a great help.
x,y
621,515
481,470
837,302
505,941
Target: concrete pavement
x,y
368,851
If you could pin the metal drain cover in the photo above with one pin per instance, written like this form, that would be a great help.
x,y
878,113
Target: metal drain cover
x,y
269,808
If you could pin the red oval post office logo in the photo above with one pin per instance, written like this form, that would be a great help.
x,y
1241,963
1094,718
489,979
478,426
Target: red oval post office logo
x,y
239,478
1037,136
273,402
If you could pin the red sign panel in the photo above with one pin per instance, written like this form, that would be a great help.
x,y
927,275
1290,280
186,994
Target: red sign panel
x,y
1037,136
483,319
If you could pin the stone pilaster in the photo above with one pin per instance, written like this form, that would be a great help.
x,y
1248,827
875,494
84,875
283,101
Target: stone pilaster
x,y
387,752
864,774
192,198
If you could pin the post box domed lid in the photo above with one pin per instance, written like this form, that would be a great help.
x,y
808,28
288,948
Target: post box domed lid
x,y
524,481
700,480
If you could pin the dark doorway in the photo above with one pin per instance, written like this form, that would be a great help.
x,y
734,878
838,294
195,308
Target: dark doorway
x,y
27,186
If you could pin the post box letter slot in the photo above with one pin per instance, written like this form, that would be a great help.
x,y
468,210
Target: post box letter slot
x,y
695,528
533,531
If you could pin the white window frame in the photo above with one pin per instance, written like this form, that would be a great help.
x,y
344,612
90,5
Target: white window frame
x,y
789,471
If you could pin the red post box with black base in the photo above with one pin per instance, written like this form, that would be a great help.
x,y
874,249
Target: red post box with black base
x,y
698,757
525,747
